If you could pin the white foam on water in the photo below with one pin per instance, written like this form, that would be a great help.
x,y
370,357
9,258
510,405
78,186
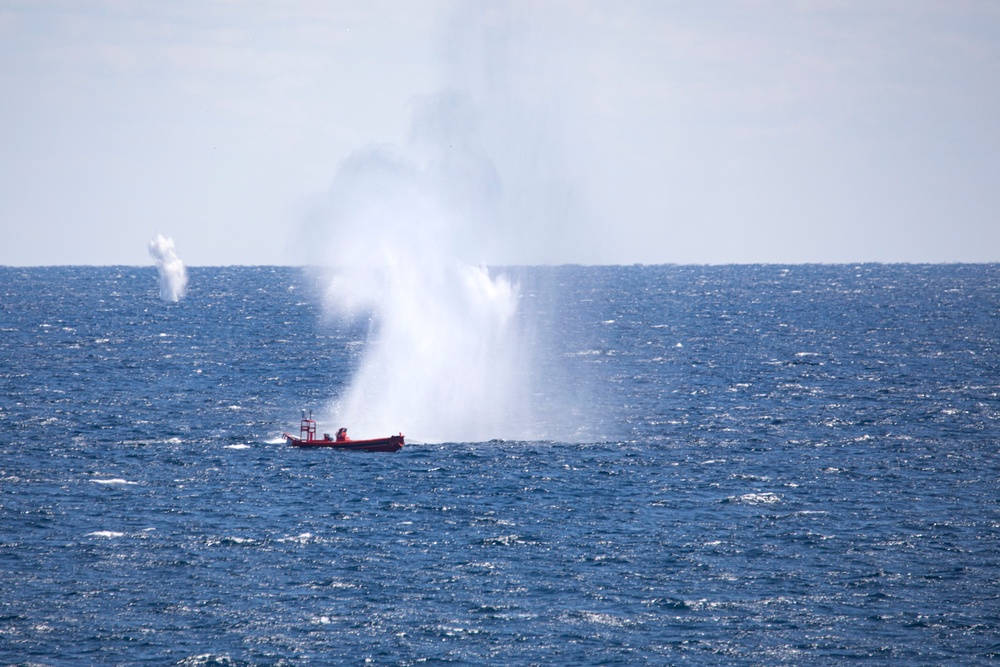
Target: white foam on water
x,y
237,447
206,659
116,480
759,498
105,533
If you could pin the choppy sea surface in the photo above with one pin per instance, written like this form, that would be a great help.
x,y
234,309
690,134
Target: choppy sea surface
x,y
797,465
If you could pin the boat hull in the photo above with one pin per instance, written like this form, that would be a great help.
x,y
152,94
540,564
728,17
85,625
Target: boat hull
x,y
391,444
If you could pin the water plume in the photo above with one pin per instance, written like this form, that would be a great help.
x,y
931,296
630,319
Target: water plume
x,y
451,354
173,275
445,359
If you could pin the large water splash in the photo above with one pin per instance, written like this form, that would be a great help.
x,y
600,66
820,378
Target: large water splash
x,y
445,360
452,355
173,276
443,363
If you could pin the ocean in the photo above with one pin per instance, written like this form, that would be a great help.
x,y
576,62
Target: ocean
x,y
767,465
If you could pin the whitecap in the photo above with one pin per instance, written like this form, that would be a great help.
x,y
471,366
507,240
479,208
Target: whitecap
x,y
759,498
116,480
206,659
105,533
237,447
604,619
228,541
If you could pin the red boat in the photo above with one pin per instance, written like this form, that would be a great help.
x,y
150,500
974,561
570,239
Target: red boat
x,y
307,438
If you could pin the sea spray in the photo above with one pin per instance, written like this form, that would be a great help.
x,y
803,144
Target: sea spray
x,y
445,359
453,353
173,276
444,362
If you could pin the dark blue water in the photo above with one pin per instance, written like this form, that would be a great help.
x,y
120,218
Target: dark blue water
x,y
797,465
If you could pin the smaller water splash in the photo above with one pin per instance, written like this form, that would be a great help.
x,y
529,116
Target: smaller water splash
x,y
173,275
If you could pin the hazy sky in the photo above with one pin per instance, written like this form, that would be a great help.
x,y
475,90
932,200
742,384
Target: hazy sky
x,y
618,132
